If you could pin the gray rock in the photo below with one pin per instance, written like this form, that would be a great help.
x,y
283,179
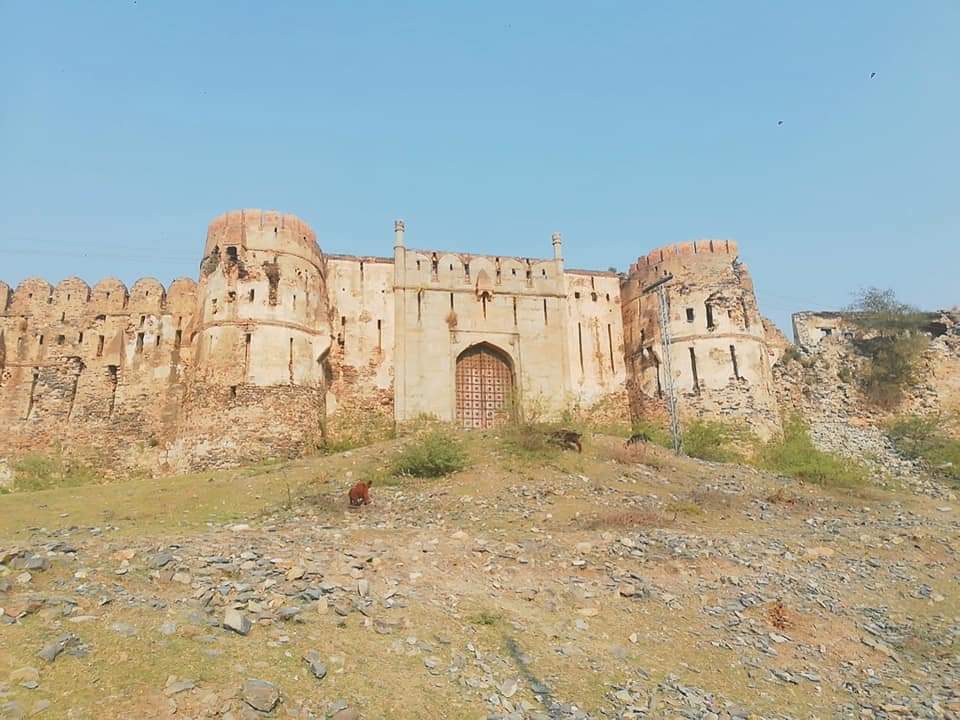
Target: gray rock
x,y
318,669
28,677
178,686
508,688
124,629
52,650
161,560
236,621
260,694
36,562
288,613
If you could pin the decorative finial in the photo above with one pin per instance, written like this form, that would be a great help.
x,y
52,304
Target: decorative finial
x,y
557,243
398,226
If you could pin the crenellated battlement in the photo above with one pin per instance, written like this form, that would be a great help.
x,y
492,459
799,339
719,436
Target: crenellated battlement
x,y
37,297
684,249
261,230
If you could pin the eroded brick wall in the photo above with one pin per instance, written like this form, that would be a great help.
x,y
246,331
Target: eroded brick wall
x,y
94,372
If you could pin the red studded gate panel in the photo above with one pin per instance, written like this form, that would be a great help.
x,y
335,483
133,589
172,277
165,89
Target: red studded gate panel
x,y
484,385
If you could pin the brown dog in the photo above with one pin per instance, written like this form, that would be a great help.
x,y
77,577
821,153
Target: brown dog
x,y
360,494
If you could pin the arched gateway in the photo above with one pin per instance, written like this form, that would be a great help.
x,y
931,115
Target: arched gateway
x,y
484,386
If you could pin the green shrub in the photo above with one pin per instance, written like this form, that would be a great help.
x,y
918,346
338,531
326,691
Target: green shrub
x,y
927,439
892,342
796,456
791,354
890,367
653,431
485,617
714,441
433,455
40,472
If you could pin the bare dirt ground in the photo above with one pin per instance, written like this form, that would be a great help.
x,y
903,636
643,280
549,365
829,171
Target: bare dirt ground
x,y
569,586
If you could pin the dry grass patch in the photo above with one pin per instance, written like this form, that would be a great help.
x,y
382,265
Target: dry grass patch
x,y
627,519
636,454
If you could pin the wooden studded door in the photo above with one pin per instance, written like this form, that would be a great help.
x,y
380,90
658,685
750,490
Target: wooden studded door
x,y
484,385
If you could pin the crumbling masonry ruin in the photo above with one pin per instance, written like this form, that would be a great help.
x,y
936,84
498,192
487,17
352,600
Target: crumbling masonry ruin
x,y
278,344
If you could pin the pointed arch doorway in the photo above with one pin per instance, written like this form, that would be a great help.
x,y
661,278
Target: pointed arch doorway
x,y
484,386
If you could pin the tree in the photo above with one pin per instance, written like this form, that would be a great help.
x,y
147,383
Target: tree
x,y
879,311
892,341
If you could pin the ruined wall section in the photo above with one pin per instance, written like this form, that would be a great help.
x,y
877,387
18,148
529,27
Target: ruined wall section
x,y
359,366
719,359
598,372
257,387
95,372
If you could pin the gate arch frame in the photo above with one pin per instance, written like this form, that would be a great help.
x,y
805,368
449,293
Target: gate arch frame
x,y
513,404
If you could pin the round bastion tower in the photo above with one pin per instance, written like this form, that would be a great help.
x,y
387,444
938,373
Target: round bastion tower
x,y
256,388
719,362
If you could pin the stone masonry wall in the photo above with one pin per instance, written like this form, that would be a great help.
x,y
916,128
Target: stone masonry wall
x,y
95,371
720,362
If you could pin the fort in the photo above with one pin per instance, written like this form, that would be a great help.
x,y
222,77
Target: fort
x,y
277,347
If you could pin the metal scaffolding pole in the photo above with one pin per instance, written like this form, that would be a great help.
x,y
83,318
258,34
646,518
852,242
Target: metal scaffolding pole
x,y
667,380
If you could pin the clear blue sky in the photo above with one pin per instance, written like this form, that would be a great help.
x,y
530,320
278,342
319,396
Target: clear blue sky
x,y
126,126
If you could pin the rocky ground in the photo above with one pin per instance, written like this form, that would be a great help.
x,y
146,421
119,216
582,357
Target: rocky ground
x,y
601,585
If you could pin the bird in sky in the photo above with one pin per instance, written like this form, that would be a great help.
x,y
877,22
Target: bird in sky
x,y
779,123
872,75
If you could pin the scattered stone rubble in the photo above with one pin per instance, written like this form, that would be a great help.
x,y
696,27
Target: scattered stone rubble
x,y
764,601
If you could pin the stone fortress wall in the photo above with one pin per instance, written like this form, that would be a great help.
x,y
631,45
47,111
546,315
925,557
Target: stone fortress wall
x,y
719,359
278,346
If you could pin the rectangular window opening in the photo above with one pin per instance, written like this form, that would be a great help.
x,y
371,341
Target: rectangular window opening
x,y
514,312
709,309
545,312
451,301
419,305
252,294
61,339
379,335
113,375
610,342
693,369
139,343
580,342
80,339
689,315
233,392
100,346
177,338
290,362
746,314
733,361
